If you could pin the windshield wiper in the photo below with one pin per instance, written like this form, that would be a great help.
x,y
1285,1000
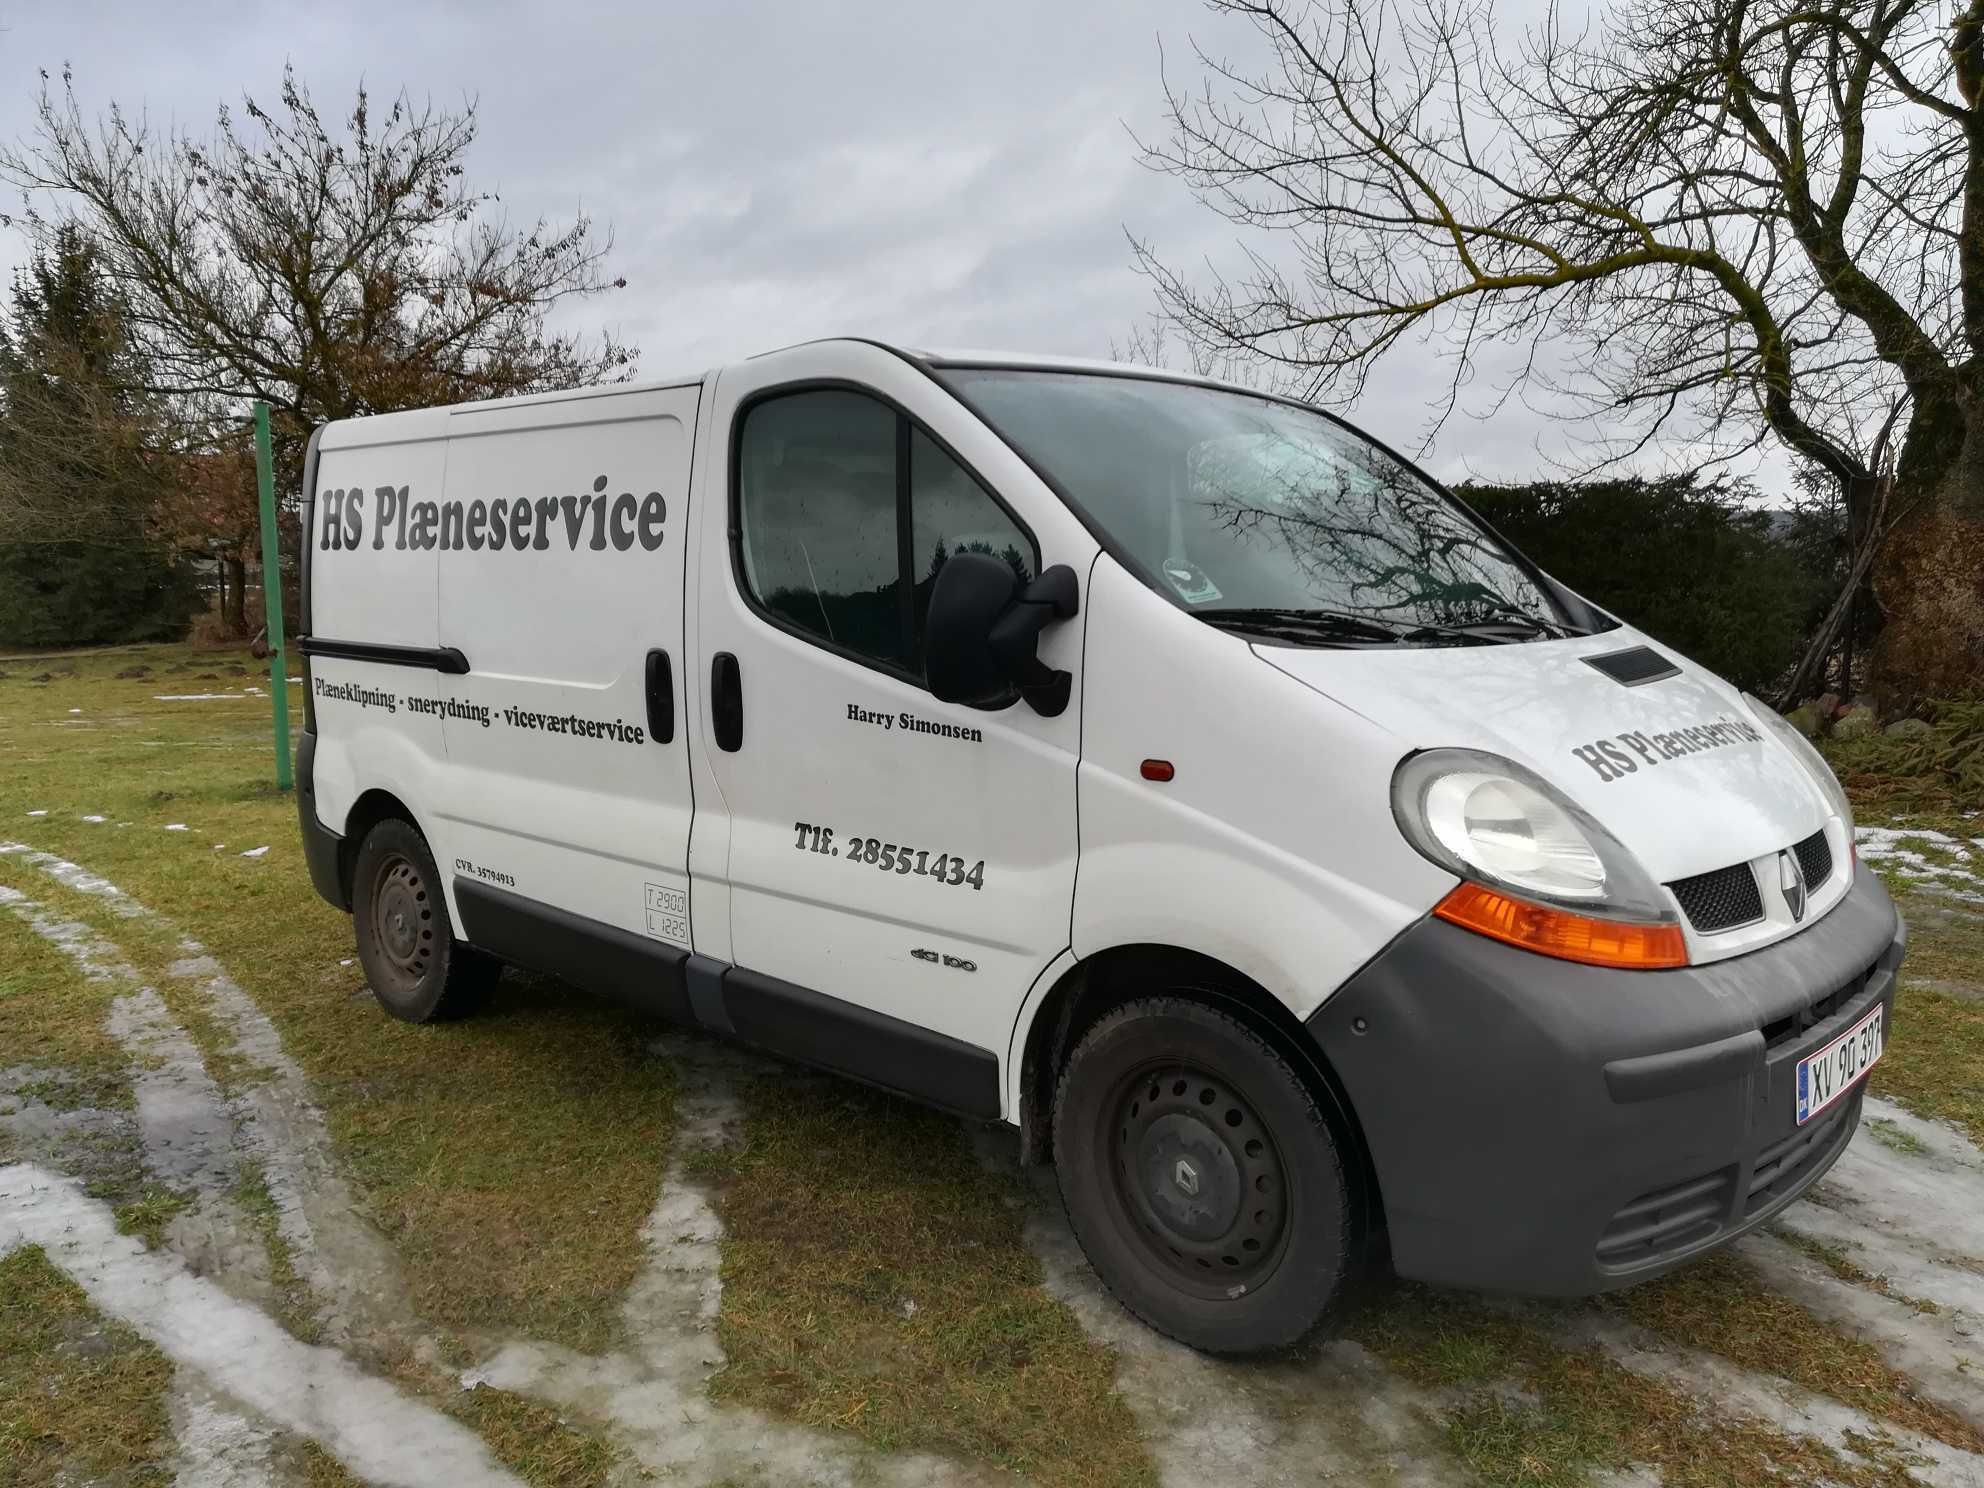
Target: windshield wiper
x,y
1294,624
1334,625
1509,614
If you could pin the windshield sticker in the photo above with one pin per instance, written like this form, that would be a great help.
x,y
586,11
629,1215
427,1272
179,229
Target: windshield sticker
x,y
1609,759
1190,581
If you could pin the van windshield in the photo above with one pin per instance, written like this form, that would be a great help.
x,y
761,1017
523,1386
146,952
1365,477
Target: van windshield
x,y
1264,517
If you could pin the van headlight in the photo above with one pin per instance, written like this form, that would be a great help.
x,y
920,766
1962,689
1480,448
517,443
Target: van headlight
x,y
1538,871
1814,762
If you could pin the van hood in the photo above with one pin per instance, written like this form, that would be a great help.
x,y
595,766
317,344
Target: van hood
x,y
1676,768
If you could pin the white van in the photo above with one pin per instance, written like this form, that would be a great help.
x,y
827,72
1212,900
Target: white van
x,y
1163,768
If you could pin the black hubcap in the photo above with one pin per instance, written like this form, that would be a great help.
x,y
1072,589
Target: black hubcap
x,y
403,921
1198,1178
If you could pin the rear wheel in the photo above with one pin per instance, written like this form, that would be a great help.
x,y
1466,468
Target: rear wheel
x,y
1205,1184
416,967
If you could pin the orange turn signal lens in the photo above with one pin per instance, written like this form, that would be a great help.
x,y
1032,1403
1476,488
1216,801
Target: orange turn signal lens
x,y
1558,932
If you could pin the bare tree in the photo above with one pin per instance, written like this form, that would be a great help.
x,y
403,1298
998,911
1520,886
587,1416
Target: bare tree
x,y
1714,222
331,271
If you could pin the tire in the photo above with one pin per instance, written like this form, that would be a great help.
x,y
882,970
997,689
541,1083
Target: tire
x,y
1203,1180
414,964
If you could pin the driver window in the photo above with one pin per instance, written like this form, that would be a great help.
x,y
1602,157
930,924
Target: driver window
x,y
846,511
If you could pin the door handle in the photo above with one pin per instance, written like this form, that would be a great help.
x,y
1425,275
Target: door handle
x,y
726,703
661,698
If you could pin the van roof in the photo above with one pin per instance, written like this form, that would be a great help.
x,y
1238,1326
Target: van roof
x,y
430,423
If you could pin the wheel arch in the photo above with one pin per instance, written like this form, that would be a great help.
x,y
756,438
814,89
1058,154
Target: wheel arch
x,y
1087,991
372,807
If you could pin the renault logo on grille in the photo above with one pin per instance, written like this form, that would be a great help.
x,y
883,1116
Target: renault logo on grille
x,y
1791,881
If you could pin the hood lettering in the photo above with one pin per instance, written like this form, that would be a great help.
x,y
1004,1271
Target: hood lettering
x,y
1610,760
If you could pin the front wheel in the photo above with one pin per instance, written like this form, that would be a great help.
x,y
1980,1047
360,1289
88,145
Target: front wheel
x,y
417,969
1204,1182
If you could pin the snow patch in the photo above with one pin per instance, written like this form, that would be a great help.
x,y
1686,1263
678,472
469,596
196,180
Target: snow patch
x,y
254,852
194,697
75,876
1899,851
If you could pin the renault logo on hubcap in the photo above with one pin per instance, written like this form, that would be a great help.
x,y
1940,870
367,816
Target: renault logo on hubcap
x,y
1186,1177
1791,880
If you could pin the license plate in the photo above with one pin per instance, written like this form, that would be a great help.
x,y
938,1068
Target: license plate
x,y
1827,1075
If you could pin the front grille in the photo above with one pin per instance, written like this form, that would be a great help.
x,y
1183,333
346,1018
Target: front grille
x,y
1815,859
1634,668
1666,1220
1782,1167
1795,1025
1720,900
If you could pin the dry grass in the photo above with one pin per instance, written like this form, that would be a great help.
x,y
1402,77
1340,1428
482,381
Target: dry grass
x,y
82,1399
876,1282
536,1443
1934,1063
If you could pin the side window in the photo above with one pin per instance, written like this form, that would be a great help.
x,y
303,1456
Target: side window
x,y
817,519
846,513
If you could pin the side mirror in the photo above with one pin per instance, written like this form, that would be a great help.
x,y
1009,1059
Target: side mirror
x,y
982,634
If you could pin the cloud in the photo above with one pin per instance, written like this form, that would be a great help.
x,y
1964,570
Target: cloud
x,y
938,175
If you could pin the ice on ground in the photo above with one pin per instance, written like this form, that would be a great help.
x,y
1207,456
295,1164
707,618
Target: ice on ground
x,y
380,1434
42,812
1777,1402
177,827
75,710
254,852
92,817
194,697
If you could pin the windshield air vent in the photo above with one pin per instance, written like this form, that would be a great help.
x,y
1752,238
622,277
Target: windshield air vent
x,y
1634,668
1721,900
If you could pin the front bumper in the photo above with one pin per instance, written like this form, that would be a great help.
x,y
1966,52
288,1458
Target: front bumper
x,y
1543,1127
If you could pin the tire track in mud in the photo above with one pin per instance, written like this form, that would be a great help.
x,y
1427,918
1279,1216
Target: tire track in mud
x,y
185,1133
652,1395
654,1392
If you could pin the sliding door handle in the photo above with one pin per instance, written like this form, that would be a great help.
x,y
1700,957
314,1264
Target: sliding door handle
x,y
726,703
661,698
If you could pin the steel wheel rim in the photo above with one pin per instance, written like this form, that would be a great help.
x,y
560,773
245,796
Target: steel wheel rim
x,y
403,921
1197,1179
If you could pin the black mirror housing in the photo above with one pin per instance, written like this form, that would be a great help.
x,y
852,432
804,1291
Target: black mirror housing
x,y
982,634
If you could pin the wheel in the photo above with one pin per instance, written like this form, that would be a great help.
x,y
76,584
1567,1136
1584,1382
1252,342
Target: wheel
x,y
416,967
1204,1182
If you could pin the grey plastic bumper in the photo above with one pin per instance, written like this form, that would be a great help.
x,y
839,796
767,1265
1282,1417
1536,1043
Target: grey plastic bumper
x,y
1554,1129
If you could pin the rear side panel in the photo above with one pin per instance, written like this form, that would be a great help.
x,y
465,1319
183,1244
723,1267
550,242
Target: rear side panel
x,y
374,723
556,788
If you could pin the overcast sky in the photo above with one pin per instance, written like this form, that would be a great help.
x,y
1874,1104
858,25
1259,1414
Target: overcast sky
x,y
944,175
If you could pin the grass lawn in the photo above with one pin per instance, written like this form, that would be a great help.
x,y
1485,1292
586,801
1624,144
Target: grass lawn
x,y
876,1281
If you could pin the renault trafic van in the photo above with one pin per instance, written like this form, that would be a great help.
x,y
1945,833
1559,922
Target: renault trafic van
x,y
1161,767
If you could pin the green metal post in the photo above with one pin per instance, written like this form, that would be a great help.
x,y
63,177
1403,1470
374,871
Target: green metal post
x,y
272,593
